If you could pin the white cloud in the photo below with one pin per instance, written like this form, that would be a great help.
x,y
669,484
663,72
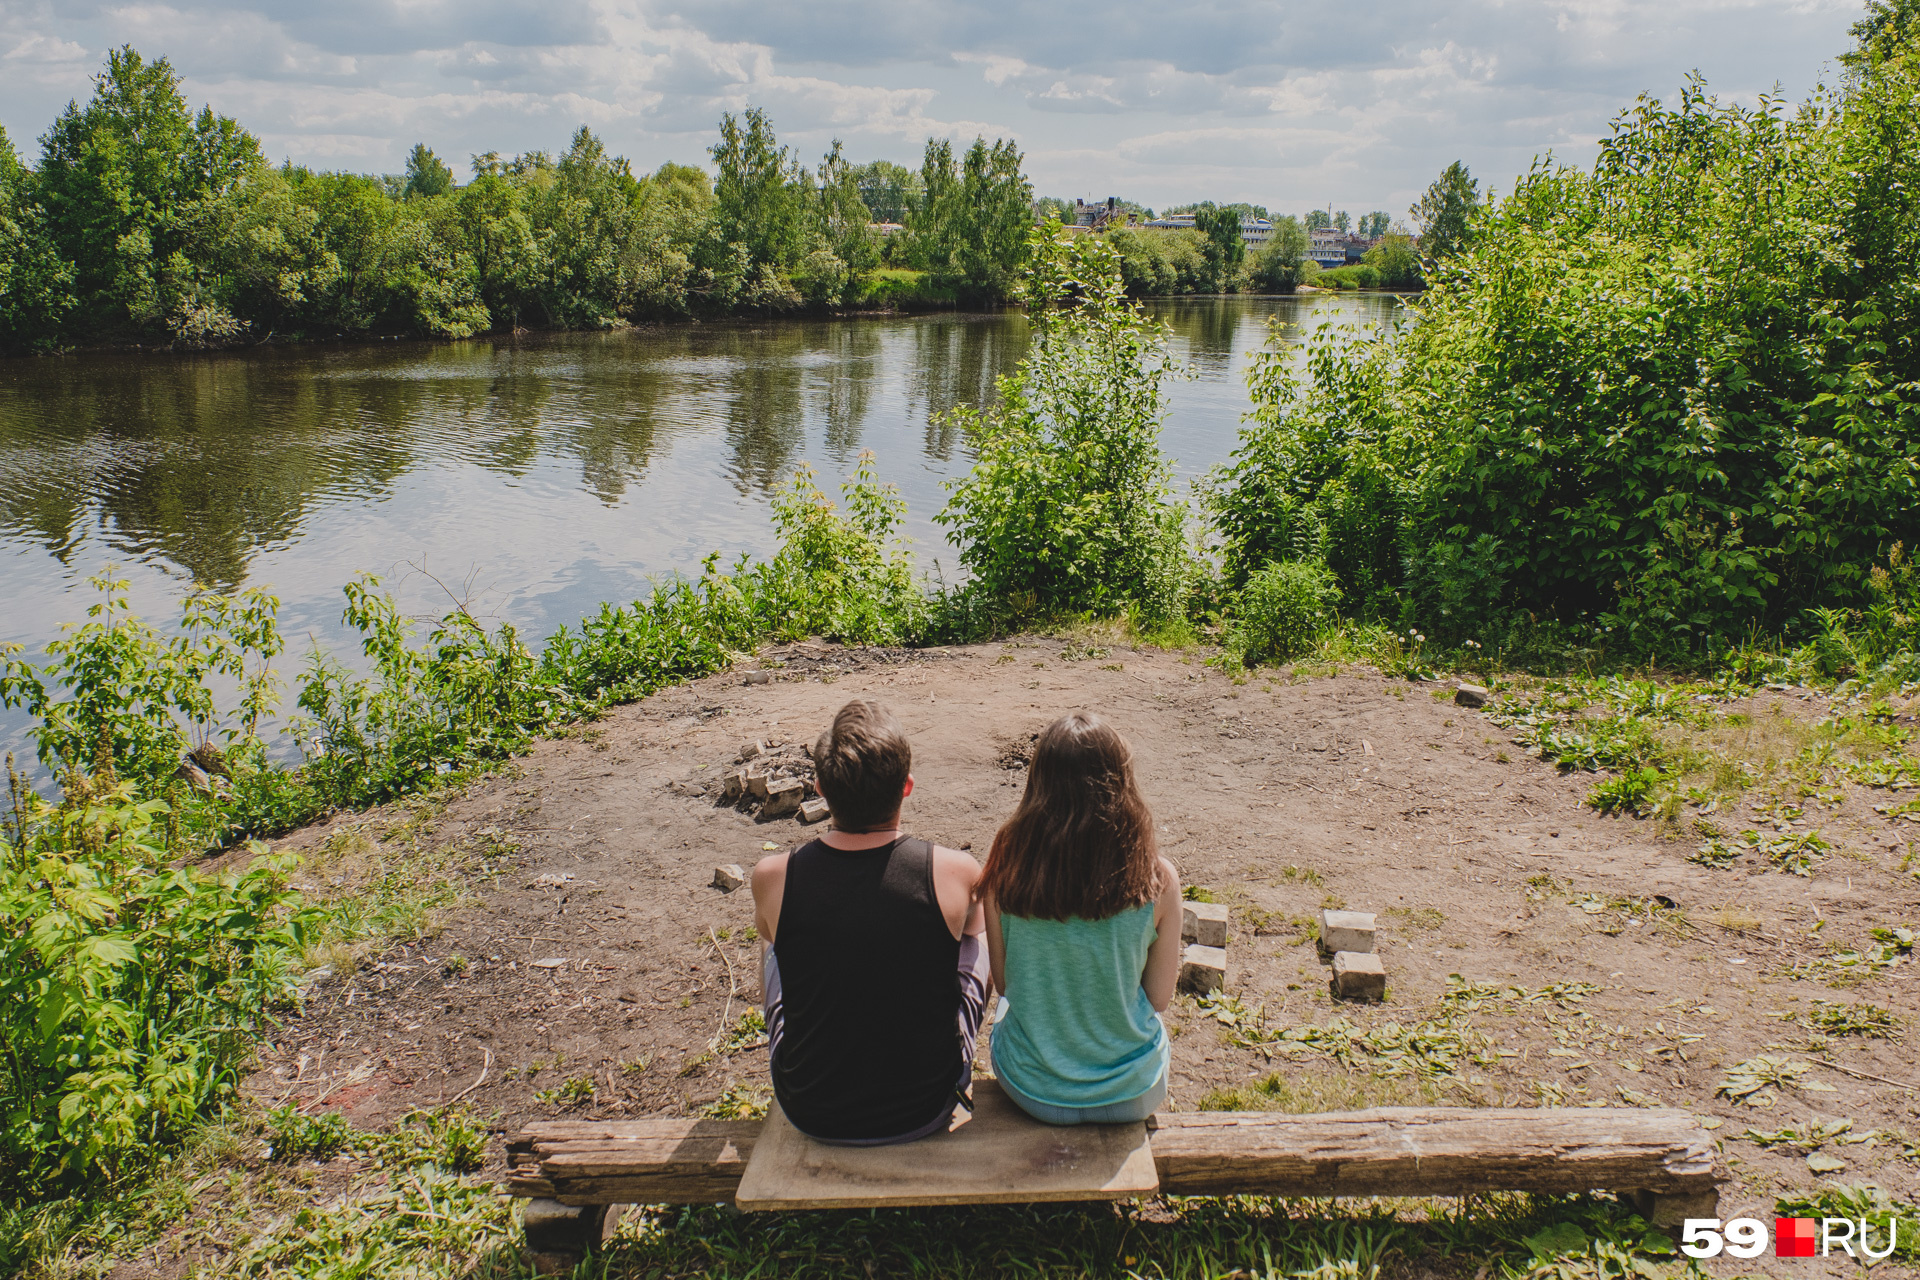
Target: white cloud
x,y
1290,107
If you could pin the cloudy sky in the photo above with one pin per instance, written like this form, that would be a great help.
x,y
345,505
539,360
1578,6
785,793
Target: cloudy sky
x,y
1291,105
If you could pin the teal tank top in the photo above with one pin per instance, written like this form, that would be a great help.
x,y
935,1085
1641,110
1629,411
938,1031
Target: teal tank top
x,y
1077,1029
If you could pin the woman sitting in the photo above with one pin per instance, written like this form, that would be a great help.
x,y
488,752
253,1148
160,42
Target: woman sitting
x,y
1083,929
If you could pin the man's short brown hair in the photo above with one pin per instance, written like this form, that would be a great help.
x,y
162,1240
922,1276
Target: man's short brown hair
x,y
862,764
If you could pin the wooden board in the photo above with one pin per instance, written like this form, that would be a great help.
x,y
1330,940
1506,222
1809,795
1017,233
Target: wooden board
x,y
665,1161
1000,1156
1433,1151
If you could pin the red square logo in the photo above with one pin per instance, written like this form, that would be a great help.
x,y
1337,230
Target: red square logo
x,y
1794,1237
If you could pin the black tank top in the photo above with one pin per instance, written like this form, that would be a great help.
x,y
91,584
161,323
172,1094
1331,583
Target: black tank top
x,y
869,976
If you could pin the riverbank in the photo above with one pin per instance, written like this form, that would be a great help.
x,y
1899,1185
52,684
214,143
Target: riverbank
x,y
580,963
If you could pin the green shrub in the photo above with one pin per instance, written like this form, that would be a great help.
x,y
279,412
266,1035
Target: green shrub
x,y
1069,507
1674,394
127,989
1283,611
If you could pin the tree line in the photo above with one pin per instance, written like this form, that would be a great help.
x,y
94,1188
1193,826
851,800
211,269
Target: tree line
x,y
144,222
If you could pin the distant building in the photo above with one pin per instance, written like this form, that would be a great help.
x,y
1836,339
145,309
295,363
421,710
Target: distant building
x,y
1097,215
1332,247
1254,232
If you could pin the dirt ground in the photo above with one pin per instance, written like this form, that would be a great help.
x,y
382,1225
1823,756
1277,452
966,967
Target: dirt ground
x,y
601,975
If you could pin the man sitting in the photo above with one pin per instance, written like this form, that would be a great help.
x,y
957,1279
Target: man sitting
x,y
875,972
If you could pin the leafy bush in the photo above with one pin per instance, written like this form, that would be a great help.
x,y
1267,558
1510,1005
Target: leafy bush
x,y
127,989
1069,506
1283,611
147,694
1676,391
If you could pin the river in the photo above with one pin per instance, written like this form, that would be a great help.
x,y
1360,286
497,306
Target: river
x,y
535,476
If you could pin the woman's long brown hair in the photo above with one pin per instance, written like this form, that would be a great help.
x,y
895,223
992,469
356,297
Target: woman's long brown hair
x,y
1081,843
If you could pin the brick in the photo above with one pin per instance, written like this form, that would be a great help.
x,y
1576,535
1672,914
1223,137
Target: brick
x,y
1470,695
1204,923
730,877
783,798
748,750
733,786
1359,975
1203,969
1346,931
757,783
814,810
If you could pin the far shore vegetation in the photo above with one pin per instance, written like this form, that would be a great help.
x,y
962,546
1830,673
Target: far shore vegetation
x,y
145,224
1648,448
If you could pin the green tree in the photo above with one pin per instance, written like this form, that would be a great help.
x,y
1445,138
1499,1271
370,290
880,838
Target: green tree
x,y
1342,220
120,181
1445,213
1395,261
1282,263
1374,225
970,232
890,191
36,284
427,174
1889,27
846,249
1226,250
1318,219
756,202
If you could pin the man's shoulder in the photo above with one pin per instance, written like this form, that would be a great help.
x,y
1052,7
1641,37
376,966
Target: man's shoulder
x,y
955,861
769,869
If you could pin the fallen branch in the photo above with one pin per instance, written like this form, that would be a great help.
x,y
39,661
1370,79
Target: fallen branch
x,y
484,1068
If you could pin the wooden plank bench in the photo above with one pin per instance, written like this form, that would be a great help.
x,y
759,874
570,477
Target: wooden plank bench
x,y
576,1173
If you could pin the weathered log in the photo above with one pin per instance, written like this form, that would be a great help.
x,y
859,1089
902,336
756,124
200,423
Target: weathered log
x,y
666,1161
1397,1151
1433,1151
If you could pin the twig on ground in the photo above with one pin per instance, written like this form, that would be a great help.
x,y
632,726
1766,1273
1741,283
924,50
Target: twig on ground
x,y
1867,1075
484,1068
733,989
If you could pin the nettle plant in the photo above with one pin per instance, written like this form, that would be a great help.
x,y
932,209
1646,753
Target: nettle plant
x,y
128,987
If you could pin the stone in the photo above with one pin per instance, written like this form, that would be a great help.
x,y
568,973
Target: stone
x,y
733,786
1359,975
1346,931
757,783
759,677
783,798
1470,695
814,810
748,750
1204,923
1203,969
730,877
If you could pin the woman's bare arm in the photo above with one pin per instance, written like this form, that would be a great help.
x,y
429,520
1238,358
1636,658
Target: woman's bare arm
x,y
996,945
1163,958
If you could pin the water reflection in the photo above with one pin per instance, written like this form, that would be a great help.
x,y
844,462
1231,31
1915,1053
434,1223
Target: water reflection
x,y
564,468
